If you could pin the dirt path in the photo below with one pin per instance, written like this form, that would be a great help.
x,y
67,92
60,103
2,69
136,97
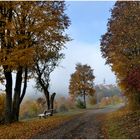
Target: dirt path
x,y
85,126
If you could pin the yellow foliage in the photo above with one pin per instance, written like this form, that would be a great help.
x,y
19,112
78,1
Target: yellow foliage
x,y
30,109
120,45
81,81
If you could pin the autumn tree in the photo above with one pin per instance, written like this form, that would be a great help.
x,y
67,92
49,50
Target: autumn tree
x,y
43,68
24,28
120,45
49,55
81,82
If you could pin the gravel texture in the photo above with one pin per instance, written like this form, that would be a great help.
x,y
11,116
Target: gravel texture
x,y
84,126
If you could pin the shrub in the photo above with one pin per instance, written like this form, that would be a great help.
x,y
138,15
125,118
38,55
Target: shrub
x,y
30,109
63,108
92,100
80,104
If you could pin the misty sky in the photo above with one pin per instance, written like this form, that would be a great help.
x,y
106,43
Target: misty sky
x,y
88,23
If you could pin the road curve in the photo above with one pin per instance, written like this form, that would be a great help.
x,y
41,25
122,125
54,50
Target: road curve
x,y
86,126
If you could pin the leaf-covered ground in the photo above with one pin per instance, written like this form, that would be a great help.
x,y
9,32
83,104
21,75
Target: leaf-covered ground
x,y
85,126
27,129
122,124
91,123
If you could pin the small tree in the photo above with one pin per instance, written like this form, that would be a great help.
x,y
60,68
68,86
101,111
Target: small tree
x,y
43,68
81,82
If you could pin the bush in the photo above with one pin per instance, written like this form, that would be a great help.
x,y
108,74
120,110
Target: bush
x,y
80,104
63,108
61,101
111,101
30,109
92,100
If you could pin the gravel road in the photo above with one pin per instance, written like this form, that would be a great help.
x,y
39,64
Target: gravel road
x,y
85,126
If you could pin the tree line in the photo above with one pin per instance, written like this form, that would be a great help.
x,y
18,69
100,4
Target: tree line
x,y
31,39
120,46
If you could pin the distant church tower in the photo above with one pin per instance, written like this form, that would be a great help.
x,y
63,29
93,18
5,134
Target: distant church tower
x,y
104,81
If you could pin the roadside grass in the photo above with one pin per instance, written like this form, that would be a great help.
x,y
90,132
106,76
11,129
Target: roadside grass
x,y
122,124
30,128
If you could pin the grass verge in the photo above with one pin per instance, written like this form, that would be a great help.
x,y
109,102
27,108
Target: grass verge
x,y
122,124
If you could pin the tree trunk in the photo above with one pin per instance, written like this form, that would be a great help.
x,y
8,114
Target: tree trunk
x,y
24,86
17,92
51,102
84,95
7,13
47,95
8,104
134,101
